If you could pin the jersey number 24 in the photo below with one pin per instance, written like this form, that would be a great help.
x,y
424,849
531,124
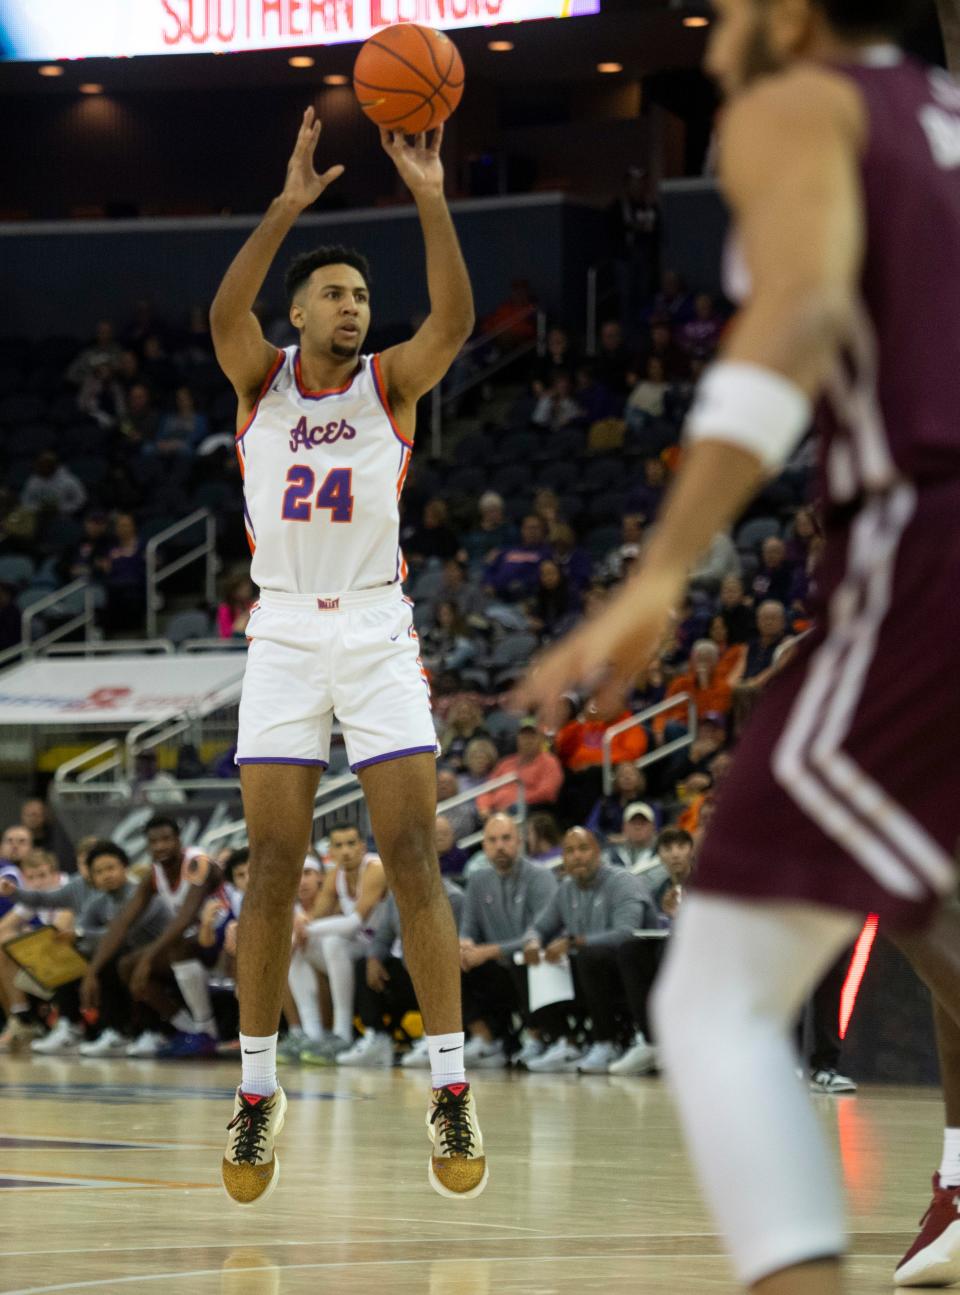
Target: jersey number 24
x,y
334,493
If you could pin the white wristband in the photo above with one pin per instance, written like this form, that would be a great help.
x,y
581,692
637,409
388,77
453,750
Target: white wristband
x,y
751,407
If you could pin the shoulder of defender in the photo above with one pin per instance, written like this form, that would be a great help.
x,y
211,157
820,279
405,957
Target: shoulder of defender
x,y
806,97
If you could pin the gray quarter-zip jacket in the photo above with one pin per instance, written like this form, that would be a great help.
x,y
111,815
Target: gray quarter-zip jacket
x,y
605,913
498,910
387,933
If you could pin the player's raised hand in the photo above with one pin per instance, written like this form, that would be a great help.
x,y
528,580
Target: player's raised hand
x,y
303,185
418,163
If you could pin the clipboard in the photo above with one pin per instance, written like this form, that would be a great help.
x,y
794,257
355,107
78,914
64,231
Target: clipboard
x,y
50,960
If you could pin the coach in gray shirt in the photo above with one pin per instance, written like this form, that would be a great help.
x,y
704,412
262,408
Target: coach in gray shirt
x,y
500,903
591,919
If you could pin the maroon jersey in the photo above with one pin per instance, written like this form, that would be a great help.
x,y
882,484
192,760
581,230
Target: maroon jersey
x,y
891,409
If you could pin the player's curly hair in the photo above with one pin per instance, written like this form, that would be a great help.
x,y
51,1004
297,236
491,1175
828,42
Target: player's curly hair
x,y
302,266
885,17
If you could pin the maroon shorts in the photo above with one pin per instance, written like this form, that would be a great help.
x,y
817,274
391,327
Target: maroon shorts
x,y
845,789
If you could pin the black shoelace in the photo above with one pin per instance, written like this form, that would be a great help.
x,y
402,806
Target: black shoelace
x,y
456,1135
253,1127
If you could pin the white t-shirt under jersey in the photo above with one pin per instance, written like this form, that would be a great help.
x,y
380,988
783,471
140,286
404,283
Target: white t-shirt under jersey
x,y
323,472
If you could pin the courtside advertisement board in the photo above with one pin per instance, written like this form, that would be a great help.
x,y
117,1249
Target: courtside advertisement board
x,y
68,29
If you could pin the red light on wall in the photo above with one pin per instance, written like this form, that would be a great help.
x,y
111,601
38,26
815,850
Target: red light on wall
x,y
856,973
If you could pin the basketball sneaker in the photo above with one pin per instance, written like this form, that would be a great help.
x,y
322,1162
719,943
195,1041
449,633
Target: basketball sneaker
x,y
147,1044
458,1167
639,1059
418,1058
109,1043
829,1082
324,1053
560,1056
250,1169
531,1050
598,1059
64,1037
372,1051
186,1047
934,1258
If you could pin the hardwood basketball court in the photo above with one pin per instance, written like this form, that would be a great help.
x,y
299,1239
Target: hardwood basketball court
x,y
109,1181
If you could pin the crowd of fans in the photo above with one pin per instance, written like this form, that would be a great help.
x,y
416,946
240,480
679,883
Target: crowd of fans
x,y
159,944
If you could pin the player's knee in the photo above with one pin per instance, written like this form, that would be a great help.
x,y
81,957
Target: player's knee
x,y
274,867
411,864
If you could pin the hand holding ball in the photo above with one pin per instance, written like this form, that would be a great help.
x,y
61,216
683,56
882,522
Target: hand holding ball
x,y
408,78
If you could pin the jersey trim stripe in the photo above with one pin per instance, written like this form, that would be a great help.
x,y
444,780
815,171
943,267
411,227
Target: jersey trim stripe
x,y
381,387
277,366
329,391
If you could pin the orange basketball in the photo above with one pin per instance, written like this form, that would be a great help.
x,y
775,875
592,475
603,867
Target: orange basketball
x,y
408,78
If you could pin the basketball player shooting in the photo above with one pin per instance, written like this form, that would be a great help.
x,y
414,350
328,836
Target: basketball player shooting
x,y
840,158
324,435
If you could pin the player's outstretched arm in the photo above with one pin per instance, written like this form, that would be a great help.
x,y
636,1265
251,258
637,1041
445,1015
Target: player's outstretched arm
x,y
413,368
242,351
790,168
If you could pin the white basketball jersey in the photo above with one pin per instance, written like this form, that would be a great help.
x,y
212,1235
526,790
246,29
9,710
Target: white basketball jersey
x,y
323,472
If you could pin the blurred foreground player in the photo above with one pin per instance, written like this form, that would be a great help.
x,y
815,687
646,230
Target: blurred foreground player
x,y
325,436
841,160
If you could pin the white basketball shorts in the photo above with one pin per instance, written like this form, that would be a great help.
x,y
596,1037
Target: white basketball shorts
x,y
353,656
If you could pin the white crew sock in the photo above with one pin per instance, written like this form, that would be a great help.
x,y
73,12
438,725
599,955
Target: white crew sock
x,y
194,984
258,1055
446,1059
950,1164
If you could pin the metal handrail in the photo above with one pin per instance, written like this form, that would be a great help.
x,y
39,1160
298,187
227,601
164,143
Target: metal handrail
x,y
109,748
352,797
176,722
27,646
440,398
661,752
213,645
97,647
156,576
593,304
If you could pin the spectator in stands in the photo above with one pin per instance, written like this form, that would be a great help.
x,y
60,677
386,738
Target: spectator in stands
x,y
733,656
662,345
635,234
672,303
575,563
515,318
446,644
125,577
719,561
102,397
151,785
645,496
53,488
501,902
709,690
434,537
737,611
774,580
610,569
87,560
700,336
549,611
35,817
479,759
456,586
159,371
605,820
804,531
492,533
613,361
453,860
514,574
546,505
15,844
698,758
647,397
128,370
557,407
104,350
673,868
594,910
579,748
40,873
543,840
558,358
182,430
385,992
771,630
336,934
140,422
637,852
170,962
11,618
464,722
540,774
462,818
595,400
233,613
143,324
